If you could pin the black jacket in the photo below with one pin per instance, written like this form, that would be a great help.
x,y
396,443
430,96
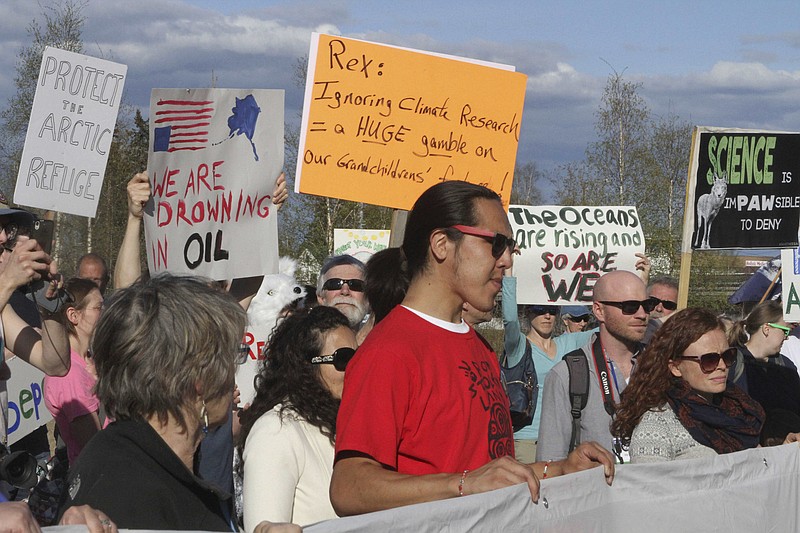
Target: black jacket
x,y
129,472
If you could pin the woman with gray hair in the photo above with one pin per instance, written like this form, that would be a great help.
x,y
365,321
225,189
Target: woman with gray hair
x,y
165,352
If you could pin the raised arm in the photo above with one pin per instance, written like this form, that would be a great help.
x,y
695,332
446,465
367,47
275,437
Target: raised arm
x,y
128,267
514,342
48,351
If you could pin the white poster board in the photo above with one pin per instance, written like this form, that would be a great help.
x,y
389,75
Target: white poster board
x,y
565,249
26,409
214,157
790,278
360,243
70,131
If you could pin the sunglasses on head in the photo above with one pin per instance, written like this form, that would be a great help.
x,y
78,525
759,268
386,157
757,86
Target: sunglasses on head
x,y
579,318
630,307
710,361
338,358
669,305
544,310
499,241
786,330
335,284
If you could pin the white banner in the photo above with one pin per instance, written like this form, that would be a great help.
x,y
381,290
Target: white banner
x,y
360,243
26,409
753,490
566,248
214,157
70,131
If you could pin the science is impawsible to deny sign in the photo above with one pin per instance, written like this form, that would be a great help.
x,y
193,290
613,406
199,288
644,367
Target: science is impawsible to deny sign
x,y
70,132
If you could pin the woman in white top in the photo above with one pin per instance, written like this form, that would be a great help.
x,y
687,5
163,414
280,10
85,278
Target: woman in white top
x,y
679,403
289,431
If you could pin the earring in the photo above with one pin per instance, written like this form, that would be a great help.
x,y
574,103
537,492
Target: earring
x,y
204,416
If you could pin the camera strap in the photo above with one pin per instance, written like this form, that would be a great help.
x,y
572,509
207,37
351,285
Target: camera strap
x,y
601,366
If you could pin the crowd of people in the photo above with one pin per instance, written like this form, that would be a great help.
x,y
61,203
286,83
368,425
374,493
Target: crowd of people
x,y
377,391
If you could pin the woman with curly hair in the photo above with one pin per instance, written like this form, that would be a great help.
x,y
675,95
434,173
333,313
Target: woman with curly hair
x,y
679,404
288,433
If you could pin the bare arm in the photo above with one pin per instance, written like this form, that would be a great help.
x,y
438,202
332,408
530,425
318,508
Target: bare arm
x,y
128,267
362,485
48,351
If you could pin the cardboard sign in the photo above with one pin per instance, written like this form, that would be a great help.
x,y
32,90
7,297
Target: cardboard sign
x,y
383,124
70,131
26,409
360,243
790,278
214,157
565,249
743,191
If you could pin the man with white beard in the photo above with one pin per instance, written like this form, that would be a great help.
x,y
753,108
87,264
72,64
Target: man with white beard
x,y
341,285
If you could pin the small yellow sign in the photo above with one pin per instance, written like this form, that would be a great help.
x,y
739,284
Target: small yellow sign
x,y
383,124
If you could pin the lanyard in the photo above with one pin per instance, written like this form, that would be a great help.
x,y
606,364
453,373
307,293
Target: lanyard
x,y
601,366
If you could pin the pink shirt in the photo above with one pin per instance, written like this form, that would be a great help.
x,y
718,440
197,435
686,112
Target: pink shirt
x,y
69,397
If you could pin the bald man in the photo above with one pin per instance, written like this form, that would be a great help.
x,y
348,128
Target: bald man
x,y
621,306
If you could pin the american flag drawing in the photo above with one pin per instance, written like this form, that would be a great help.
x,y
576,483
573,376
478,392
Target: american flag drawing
x,y
182,125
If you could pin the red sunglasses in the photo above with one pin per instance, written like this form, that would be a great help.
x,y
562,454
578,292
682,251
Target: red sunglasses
x,y
499,241
710,361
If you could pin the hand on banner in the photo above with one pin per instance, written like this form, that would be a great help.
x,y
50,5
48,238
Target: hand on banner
x,y
792,437
499,473
643,266
138,194
281,527
589,455
280,194
95,520
16,517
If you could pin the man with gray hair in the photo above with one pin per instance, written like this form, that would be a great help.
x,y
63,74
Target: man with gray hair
x,y
341,285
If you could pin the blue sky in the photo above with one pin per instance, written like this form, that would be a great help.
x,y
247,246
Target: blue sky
x,y
733,63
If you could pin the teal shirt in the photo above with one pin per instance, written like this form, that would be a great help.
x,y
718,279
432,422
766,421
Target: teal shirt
x,y
515,348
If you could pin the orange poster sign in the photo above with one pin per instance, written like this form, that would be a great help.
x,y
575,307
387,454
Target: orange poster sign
x,y
381,124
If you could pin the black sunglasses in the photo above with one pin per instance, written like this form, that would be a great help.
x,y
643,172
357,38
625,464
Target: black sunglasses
x,y
544,310
669,305
242,353
499,241
710,361
579,318
630,307
338,358
335,284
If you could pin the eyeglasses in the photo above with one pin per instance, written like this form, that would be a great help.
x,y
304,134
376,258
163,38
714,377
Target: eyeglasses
x,y
580,318
669,305
630,307
242,353
499,241
338,358
335,284
544,310
786,330
710,361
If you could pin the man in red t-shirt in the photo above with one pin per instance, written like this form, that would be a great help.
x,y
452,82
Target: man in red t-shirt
x,y
424,415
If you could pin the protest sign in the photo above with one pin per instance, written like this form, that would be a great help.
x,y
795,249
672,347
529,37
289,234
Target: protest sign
x,y
26,409
743,191
790,278
214,157
382,124
564,249
360,243
70,131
